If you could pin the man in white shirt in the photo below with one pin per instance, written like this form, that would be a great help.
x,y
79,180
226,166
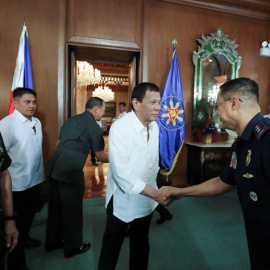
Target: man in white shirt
x,y
22,135
122,109
132,193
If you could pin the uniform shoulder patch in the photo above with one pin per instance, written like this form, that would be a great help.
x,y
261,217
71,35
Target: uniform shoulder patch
x,y
260,129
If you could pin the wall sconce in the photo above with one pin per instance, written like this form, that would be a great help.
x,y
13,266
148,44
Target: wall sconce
x,y
265,50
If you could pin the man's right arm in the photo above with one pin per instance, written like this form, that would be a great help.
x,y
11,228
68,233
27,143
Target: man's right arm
x,y
211,187
102,156
159,195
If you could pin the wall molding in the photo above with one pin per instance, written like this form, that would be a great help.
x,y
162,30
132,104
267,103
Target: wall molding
x,y
258,9
251,4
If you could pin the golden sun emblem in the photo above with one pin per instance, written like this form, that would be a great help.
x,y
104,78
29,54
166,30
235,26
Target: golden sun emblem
x,y
172,113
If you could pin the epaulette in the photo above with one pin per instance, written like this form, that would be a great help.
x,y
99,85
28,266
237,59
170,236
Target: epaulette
x,y
260,129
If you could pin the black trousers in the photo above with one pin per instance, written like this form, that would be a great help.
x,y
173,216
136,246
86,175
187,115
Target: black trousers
x,y
65,216
113,239
258,237
25,203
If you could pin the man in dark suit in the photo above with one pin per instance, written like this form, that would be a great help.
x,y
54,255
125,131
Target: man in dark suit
x,y
78,136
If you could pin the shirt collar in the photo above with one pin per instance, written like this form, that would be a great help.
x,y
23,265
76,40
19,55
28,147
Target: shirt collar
x,y
138,124
250,127
22,118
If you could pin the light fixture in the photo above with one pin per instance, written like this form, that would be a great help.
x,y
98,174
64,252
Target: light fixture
x,y
265,50
117,79
86,74
104,92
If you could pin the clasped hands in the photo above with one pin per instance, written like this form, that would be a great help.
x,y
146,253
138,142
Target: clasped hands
x,y
169,194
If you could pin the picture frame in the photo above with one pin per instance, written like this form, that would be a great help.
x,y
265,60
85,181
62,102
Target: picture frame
x,y
110,109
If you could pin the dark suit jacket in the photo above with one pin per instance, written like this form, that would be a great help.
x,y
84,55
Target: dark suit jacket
x,y
78,136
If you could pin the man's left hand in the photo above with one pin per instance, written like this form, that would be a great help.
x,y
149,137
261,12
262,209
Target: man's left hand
x,y
12,235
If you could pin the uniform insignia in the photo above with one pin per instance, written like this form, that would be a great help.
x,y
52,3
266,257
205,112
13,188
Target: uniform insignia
x,y
260,129
248,175
233,163
253,196
248,159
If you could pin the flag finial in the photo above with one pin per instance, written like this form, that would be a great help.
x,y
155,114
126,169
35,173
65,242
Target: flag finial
x,y
174,42
23,20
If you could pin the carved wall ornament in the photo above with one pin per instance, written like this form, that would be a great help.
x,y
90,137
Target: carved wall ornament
x,y
220,44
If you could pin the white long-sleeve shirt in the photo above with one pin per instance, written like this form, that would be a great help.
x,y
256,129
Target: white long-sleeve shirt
x,y
23,142
134,162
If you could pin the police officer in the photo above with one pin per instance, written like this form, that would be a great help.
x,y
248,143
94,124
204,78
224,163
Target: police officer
x,y
248,169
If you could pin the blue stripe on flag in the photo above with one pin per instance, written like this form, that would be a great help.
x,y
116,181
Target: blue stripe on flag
x,y
27,80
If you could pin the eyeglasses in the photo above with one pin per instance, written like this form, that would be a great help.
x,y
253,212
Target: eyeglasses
x,y
216,106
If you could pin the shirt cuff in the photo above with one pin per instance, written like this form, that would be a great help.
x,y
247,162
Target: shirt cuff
x,y
137,188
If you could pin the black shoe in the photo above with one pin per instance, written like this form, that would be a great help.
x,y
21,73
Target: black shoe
x,y
163,218
54,246
32,243
83,248
94,164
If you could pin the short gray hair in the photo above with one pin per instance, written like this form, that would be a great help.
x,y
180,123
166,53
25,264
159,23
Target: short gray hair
x,y
94,101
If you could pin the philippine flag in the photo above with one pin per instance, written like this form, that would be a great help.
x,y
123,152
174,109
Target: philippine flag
x,y
22,74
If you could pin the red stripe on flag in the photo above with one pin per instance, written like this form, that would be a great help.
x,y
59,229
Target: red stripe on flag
x,y
11,107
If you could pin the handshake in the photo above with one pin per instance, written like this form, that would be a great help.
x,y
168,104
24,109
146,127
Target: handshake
x,y
168,194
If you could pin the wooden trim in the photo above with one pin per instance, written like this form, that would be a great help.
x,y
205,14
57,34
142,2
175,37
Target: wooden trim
x,y
139,21
145,34
252,8
251,4
61,63
104,42
71,18
73,38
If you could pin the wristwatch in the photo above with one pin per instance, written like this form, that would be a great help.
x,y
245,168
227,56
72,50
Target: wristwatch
x,y
12,217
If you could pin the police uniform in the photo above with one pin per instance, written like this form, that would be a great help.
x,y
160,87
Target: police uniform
x,y
78,135
249,170
5,162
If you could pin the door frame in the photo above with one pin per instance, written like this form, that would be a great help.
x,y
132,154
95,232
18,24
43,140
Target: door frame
x,y
96,54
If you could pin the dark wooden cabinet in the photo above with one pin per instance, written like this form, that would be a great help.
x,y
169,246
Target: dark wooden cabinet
x,y
206,161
